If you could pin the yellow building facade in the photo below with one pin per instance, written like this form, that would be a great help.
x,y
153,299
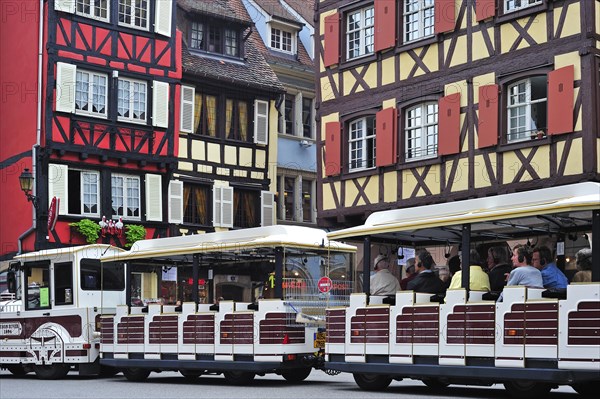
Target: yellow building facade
x,y
429,101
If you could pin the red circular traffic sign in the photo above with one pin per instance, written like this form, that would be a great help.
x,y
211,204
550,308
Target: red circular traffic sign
x,y
325,284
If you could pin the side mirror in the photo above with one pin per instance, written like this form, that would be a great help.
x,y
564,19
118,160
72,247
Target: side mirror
x,y
11,281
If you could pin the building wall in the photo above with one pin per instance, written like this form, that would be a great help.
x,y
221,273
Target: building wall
x,y
452,68
19,81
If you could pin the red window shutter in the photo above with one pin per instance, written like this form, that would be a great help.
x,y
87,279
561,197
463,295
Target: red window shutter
x,y
444,16
333,159
449,124
386,137
485,9
385,24
488,116
332,40
560,100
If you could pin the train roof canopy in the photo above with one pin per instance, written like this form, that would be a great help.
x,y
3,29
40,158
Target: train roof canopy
x,y
506,216
94,250
297,237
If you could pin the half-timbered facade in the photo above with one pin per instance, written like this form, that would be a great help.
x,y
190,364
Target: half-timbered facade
x,y
428,101
286,29
228,128
104,144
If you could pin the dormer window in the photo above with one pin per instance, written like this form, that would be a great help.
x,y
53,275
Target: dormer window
x,y
214,38
281,40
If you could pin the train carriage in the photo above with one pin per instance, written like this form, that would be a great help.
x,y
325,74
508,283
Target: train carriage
x,y
531,340
48,317
267,326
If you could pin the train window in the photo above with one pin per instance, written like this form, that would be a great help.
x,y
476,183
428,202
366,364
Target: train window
x,y
63,283
109,276
37,287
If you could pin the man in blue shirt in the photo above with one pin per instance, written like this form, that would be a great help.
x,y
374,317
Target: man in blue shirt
x,y
551,274
523,273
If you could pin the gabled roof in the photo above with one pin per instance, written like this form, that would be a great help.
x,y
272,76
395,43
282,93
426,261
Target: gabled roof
x,y
252,72
276,10
232,10
306,9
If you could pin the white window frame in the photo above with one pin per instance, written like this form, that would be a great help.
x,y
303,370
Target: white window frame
x,y
231,42
84,183
125,196
312,117
366,33
90,92
519,109
420,13
313,207
93,7
278,35
360,143
131,101
297,195
420,132
516,5
133,6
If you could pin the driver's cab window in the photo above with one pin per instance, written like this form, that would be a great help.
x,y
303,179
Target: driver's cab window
x,y
37,287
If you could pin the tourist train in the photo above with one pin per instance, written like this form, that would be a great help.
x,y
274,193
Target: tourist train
x,y
295,299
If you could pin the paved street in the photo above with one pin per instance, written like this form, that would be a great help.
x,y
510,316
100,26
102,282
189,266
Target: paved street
x,y
172,385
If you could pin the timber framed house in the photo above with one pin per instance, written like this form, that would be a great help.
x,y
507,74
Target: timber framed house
x,y
105,147
228,128
286,29
428,101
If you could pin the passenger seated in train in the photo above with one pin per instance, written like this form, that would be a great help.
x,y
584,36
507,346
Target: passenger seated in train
x,y
453,267
498,267
552,276
383,282
410,273
478,279
426,281
583,262
523,273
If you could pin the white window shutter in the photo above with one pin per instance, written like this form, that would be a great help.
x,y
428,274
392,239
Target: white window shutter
x,y
187,109
261,122
66,75
58,183
298,115
65,6
160,103
176,201
267,208
217,206
153,197
227,207
162,14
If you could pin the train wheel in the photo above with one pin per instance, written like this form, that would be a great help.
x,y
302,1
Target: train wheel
x,y
52,371
372,382
238,377
587,389
17,369
435,383
136,374
191,374
526,389
296,375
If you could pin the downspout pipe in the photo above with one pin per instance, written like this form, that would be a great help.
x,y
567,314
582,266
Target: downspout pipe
x,y
38,134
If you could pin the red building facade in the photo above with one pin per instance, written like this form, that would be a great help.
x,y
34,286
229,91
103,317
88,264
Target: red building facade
x,y
105,75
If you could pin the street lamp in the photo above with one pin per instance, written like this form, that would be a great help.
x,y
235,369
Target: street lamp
x,y
26,181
